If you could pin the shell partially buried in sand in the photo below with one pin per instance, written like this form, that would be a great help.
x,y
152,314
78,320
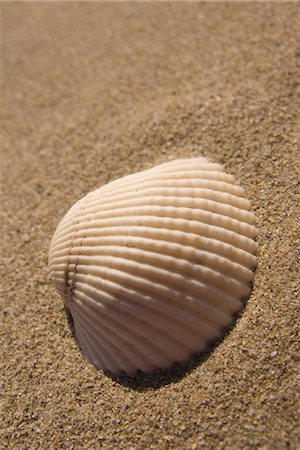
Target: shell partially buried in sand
x,y
154,265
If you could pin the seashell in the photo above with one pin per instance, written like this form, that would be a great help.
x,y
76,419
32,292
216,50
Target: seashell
x,y
154,265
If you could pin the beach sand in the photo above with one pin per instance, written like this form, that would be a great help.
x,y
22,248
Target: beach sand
x,y
94,91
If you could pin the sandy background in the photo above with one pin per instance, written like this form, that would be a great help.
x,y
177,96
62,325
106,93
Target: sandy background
x,y
95,91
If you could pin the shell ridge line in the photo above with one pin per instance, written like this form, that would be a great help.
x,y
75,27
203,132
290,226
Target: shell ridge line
x,y
194,312
153,171
69,282
105,343
188,183
231,286
194,172
203,207
227,251
132,281
136,343
226,206
167,176
108,361
139,305
131,342
225,248
170,227
205,192
216,263
206,258
209,229
176,348
125,286
137,182
209,166
171,236
219,262
186,337
173,213
240,290
82,340
204,204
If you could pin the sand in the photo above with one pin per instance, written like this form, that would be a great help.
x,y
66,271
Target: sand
x,y
95,91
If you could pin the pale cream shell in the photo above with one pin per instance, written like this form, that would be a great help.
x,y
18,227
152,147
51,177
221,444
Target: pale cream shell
x,y
154,265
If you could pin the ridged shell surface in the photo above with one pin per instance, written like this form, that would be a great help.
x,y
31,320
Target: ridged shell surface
x,y
154,265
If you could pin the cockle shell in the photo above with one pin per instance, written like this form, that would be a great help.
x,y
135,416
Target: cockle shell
x,y
154,265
